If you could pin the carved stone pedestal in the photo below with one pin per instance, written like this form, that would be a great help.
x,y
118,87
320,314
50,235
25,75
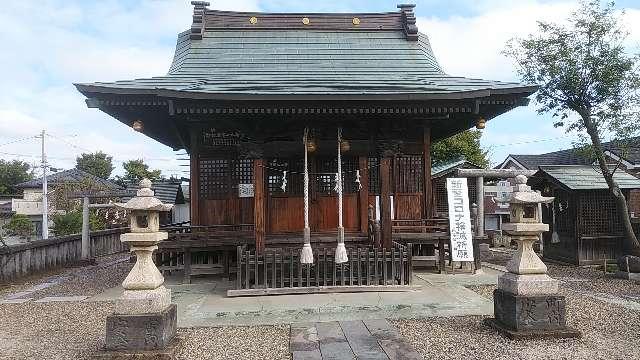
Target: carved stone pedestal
x,y
150,331
530,316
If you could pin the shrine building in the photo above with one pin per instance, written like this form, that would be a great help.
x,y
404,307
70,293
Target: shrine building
x,y
303,127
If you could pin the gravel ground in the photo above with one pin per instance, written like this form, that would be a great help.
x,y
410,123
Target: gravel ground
x,y
76,331
108,272
609,331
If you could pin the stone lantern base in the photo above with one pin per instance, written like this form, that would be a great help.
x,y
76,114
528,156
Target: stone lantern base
x,y
150,331
530,316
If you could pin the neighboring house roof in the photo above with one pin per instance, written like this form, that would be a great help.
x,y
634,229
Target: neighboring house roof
x,y
69,176
279,55
578,177
449,166
630,152
167,191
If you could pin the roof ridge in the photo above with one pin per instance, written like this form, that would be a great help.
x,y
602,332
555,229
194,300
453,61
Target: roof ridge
x,y
210,19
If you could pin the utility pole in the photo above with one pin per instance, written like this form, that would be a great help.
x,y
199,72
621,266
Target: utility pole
x,y
45,192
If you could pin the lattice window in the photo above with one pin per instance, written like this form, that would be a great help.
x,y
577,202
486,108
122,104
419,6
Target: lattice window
x,y
565,210
243,171
599,213
219,178
439,186
325,177
295,176
374,175
214,178
408,174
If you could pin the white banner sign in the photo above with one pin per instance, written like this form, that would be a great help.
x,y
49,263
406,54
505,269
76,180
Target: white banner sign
x,y
459,220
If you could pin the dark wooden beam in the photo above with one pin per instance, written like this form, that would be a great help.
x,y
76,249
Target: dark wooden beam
x,y
385,200
259,207
194,174
426,160
364,193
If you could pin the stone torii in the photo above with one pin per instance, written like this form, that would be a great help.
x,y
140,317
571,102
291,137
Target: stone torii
x,y
480,174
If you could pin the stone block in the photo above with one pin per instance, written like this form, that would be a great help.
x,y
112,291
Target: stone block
x,y
628,276
529,312
530,284
143,301
141,332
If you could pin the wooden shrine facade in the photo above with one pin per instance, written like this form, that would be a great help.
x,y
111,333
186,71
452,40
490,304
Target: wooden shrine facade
x,y
237,176
244,88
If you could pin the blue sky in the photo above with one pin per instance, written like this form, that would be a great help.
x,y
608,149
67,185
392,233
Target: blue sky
x,y
48,45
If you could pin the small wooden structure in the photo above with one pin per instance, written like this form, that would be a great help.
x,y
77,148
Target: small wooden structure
x,y
243,91
584,225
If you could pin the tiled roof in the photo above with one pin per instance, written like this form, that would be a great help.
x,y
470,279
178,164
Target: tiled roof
x,y
70,176
577,177
281,56
629,149
446,167
167,191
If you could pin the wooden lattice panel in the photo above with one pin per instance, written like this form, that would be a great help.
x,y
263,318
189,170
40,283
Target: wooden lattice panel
x,y
295,177
599,213
374,176
408,174
325,176
214,178
219,178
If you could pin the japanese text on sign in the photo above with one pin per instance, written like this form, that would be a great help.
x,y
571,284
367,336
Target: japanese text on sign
x,y
459,220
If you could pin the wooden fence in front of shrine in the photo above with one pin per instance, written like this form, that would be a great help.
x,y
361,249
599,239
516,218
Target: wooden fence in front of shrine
x,y
279,271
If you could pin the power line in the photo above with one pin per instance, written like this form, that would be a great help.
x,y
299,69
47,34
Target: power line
x,y
18,140
530,142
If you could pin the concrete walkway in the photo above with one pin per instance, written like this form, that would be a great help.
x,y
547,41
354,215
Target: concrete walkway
x,y
204,304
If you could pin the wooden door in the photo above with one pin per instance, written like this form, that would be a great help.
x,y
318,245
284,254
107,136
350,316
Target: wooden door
x,y
285,209
323,209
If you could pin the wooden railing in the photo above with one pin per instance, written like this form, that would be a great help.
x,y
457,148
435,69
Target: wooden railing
x,y
279,271
437,225
42,255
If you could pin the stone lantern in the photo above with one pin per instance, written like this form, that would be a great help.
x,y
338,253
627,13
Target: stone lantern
x,y
526,302
144,317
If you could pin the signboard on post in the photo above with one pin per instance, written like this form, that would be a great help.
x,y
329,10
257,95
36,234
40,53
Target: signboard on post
x,y
459,220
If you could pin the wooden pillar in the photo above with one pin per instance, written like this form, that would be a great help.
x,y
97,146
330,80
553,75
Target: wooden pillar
x,y
364,193
480,202
259,222
427,191
194,176
385,201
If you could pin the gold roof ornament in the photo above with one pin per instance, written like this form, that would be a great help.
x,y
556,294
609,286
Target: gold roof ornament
x,y
481,124
356,21
305,20
253,20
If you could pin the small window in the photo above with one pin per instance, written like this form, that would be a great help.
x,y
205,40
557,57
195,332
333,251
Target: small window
x,y
529,212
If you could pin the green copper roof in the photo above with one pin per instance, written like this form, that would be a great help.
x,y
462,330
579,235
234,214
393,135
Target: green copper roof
x,y
306,62
577,177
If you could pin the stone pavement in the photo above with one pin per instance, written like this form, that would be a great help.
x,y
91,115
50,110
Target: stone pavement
x,y
204,303
373,339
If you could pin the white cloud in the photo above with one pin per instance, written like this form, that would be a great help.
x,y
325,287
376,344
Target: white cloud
x,y
472,46
54,44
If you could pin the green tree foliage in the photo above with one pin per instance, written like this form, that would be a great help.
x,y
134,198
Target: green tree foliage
x,y
465,144
588,82
12,173
137,170
21,226
97,163
71,223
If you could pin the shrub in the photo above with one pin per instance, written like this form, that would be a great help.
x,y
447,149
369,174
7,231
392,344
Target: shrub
x,y
20,225
71,223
